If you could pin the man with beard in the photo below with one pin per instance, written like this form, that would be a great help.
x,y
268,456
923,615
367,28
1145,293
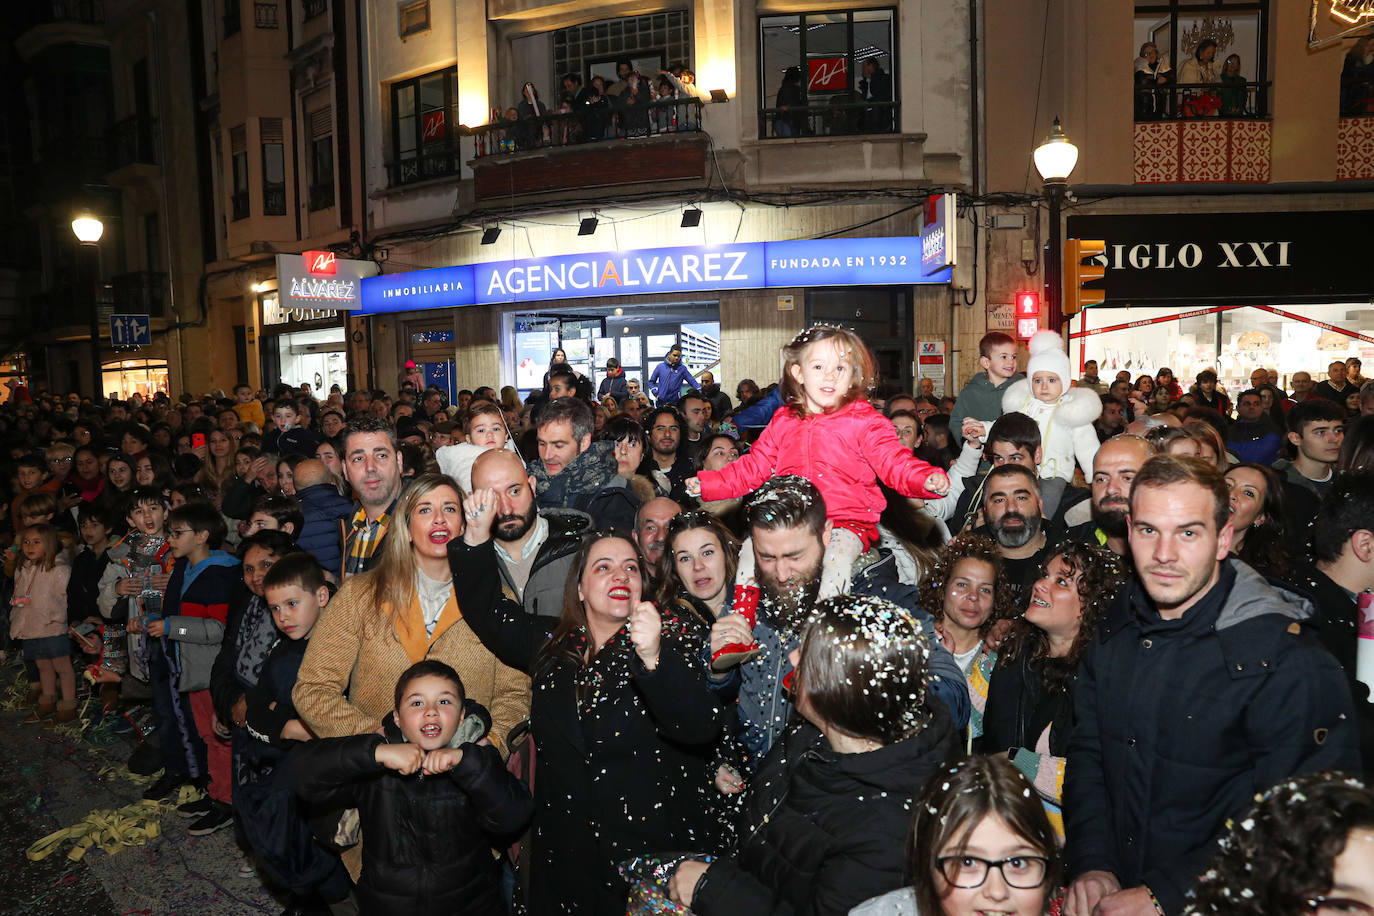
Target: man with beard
x,y
1202,685
665,464
573,472
1025,539
1115,465
789,531
651,530
535,549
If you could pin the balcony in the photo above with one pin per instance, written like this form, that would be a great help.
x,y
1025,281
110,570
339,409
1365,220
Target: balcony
x,y
65,312
1202,133
60,22
1355,136
133,150
142,292
842,119
265,16
273,198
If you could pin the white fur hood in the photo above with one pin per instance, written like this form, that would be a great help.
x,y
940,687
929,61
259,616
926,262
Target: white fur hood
x,y
1077,407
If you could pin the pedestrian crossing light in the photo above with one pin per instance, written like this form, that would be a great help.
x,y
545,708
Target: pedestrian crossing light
x,y
1076,273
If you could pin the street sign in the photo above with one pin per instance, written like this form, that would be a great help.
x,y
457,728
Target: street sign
x,y
130,331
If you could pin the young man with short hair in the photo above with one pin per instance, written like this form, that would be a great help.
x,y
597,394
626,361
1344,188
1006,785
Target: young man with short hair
x,y
1201,687
573,472
1252,436
372,464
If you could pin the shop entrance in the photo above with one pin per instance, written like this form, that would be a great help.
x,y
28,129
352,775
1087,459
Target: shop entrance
x,y
317,358
639,336
879,315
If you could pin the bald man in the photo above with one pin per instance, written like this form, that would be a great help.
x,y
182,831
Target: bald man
x,y
324,510
651,529
1114,468
535,548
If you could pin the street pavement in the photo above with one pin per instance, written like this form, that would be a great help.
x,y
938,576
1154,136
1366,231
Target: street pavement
x,y
49,781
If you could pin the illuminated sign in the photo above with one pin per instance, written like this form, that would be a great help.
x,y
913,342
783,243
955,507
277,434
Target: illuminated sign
x,y
827,74
273,312
320,280
939,239
750,265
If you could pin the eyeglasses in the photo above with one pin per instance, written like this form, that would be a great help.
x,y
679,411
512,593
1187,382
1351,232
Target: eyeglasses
x,y
1022,872
1330,906
177,532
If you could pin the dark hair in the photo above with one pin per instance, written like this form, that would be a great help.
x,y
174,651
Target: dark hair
x,y
1346,508
1015,429
1010,470
563,371
954,802
671,590
574,616
1165,470
137,496
369,424
994,339
1207,375
285,509
574,78
661,410
622,429
784,502
1358,449
277,543
708,443
32,461
930,593
200,517
574,411
1312,410
297,568
851,642
89,511
1101,574
428,668
1248,392
37,503
1282,851
1266,544
1203,46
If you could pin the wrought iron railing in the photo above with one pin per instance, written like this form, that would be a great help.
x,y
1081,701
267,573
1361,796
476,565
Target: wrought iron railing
x,y
265,15
833,119
238,205
588,125
142,292
133,140
1181,101
1357,98
89,11
274,198
322,195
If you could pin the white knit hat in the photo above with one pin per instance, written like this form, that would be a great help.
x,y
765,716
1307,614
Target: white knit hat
x,y
1047,355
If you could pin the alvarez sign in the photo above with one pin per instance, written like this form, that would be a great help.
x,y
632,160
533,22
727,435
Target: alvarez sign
x,y
655,271
321,280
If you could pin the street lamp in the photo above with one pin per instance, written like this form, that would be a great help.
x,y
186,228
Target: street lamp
x,y
1054,160
88,229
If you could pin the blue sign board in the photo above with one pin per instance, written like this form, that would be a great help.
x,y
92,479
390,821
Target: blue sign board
x,y
130,331
655,271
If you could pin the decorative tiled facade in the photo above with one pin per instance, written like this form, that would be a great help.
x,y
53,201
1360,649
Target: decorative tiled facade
x,y
1202,150
1355,149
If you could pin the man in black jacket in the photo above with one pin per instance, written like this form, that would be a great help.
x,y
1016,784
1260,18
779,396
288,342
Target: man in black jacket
x,y
1201,689
1115,465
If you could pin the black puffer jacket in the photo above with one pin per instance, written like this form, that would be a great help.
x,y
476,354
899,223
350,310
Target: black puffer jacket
x,y
429,839
825,831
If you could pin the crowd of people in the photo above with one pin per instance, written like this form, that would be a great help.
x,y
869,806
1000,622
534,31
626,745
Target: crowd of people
x,y
1056,645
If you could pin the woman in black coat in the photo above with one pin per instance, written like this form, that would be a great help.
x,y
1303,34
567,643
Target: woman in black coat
x,y
623,724
830,808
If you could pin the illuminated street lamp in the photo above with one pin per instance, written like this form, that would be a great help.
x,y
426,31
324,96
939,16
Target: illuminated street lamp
x,y
88,229
1054,160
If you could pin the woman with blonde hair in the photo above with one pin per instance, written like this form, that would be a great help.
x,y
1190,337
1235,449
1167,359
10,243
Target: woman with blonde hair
x,y
220,452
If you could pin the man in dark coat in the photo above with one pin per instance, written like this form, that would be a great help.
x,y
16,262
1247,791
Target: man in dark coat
x,y
573,472
322,509
719,400
1201,688
614,383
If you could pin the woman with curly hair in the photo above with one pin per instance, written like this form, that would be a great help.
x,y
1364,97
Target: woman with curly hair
x,y
1307,846
1029,710
967,594
1258,511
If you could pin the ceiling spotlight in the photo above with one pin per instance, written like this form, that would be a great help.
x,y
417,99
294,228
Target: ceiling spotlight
x,y
619,311
691,218
489,236
587,226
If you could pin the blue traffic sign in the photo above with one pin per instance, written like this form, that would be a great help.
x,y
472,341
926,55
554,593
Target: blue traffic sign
x,y
130,330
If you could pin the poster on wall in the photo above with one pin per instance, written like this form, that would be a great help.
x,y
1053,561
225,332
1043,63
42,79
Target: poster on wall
x,y
629,352
532,349
930,363
603,348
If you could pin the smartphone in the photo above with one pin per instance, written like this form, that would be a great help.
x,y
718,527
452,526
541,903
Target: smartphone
x,y
197,440
85,629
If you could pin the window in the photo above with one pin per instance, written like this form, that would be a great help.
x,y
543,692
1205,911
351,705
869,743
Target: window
x,y
273,167
238,148
828,74
233,18
651,41
321,158
1175,71
424,122
413,17
313,8
265,15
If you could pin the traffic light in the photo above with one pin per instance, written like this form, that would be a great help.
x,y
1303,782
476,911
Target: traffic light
x,y
1027,314
1076,273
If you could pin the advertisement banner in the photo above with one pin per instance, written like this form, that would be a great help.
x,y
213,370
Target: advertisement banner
x,y
315,280
655,271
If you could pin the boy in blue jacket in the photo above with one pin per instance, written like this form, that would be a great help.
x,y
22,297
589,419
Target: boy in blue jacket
x,y
182,644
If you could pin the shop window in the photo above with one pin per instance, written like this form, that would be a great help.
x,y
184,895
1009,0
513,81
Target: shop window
x,y
321,159
828,74
413,17
273,167
424,123
1205,59
134,376
238,146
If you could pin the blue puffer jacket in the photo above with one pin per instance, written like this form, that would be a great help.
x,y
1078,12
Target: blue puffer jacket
x,y
322,536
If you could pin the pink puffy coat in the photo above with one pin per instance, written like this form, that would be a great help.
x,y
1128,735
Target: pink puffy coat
x,y
844,454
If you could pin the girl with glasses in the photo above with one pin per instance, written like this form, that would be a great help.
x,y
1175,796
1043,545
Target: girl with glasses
x,y
980,843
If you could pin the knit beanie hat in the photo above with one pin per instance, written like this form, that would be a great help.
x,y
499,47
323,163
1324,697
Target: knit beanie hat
x,y
1047,355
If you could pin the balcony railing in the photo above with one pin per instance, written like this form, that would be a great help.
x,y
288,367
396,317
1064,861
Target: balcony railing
x,y
590,125
1357,98
1175,101
238,205
142,292
839,119
312,8
265,15
133,140
89,11
274,198
435,163
322,195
